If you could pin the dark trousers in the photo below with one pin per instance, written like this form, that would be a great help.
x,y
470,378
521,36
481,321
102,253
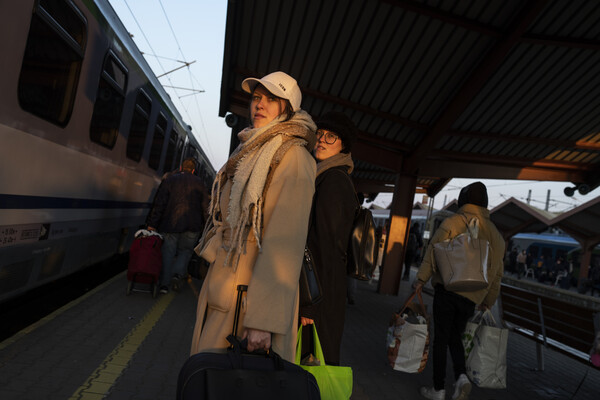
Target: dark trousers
x,y
450,315
521,269
408,260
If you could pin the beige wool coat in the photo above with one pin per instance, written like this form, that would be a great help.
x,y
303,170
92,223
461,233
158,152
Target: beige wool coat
x,y
271,273
454,226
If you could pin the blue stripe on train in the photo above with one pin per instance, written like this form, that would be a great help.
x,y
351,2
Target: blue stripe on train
x,y
12,201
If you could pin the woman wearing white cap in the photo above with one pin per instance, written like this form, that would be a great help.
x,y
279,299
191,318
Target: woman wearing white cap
x,y
258,224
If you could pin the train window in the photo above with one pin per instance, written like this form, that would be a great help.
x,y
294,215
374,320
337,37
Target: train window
x,y
190,151
139,126
199,169
110,100
52,61
179,152
157,142
171,151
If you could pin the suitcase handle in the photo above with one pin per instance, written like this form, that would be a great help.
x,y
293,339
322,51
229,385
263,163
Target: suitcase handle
x,y
238,348
238,306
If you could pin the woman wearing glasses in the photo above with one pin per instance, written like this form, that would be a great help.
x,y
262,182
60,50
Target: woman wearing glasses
x,y
257,226
333,209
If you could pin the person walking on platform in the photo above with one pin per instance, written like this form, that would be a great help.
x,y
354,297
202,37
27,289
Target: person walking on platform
x,y
414,243
521,264
451,310
333,208
258,223
178,213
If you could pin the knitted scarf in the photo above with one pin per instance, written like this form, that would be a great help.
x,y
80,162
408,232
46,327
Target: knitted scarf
x,y
340,159
250,168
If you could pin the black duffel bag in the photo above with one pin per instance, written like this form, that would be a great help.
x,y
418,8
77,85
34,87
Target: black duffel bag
x,y
242,375
239,374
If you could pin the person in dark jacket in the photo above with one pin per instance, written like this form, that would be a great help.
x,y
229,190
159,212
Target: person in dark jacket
x,y
413,246
333,209
178,213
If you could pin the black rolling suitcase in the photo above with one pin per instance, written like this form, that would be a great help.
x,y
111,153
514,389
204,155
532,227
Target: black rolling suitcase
x,y
242,375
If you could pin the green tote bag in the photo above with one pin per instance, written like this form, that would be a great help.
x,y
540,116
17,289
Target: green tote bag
x,y
335,383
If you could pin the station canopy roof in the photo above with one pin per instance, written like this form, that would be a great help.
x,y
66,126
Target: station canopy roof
x,y
514,216
582,223
501,89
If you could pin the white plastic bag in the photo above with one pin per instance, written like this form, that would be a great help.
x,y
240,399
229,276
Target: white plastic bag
x,y
469,333
486,365
408,337
412,340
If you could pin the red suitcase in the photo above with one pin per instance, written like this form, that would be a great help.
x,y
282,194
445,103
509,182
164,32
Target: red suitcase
x,y
145,261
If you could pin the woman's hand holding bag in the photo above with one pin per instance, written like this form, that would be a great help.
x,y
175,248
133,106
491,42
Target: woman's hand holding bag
x,y
335,383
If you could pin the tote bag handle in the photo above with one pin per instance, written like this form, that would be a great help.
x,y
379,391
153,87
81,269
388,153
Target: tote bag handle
x,y
410,299
318,350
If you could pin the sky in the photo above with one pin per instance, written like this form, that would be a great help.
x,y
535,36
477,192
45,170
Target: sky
x,y
193,31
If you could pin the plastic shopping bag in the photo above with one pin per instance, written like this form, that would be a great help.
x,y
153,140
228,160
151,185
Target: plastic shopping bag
x,y
486,365
335,383
408,337
469,333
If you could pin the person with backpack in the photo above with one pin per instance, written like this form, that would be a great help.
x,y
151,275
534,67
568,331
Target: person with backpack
x,y
452,309
333,209
178,213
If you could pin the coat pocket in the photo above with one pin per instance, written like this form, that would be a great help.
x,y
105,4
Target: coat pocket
x,y
221,283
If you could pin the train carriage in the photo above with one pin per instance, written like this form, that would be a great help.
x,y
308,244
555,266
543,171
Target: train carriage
x,y
87,133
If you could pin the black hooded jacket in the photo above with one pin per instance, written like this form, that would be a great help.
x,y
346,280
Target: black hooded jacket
x,y
178,204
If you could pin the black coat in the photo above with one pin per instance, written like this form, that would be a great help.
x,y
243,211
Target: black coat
x,y
178,204
332,215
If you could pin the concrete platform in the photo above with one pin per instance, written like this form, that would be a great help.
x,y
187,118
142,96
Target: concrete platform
x,y
112,346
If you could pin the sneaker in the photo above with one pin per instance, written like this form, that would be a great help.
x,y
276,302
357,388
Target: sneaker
x,y
431,393
462,388
175,283
164,290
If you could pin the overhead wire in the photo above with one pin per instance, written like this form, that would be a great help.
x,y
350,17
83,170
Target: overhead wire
x,y
191,80
164,58
553,202
149,44
143,33
177,94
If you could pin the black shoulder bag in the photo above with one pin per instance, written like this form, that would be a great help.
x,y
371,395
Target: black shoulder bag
x,y
311,292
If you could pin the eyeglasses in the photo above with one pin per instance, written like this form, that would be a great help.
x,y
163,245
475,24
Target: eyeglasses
x,y
330,137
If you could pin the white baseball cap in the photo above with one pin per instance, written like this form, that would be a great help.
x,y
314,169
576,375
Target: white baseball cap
x,y
278,83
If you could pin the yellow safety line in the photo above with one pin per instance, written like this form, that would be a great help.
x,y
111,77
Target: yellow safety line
x,y
27,330
101,380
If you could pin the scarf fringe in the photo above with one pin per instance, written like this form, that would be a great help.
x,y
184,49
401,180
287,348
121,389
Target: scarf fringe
x,y
237,239
247,201
257,221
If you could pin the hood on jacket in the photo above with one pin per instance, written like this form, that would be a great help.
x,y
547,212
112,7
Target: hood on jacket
x,y
475,193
